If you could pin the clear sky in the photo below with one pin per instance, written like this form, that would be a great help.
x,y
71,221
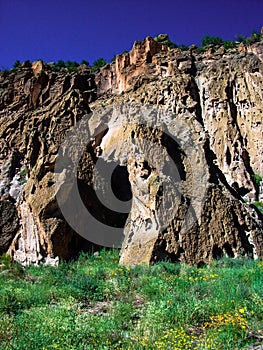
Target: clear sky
x,y
79,29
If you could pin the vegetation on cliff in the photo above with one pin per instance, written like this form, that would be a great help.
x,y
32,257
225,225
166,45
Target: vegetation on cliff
x,y
93,303
206,42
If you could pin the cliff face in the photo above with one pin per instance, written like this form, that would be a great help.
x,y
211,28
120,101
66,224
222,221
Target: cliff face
x,y
185,131
37,109
223,90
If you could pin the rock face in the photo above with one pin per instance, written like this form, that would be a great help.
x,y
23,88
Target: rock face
x,y
224,90
183,209
37,109
183,127
8,224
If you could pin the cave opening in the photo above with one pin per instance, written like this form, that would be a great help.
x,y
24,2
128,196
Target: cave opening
x,y
109,201
120,183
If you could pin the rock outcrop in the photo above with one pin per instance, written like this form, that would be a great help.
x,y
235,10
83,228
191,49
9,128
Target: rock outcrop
x,y
185,131
37,109
9,223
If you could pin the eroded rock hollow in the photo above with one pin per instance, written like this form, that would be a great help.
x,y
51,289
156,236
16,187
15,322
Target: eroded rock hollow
x,y
156,153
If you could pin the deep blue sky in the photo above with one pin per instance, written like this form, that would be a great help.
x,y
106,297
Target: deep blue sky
x,y
79,29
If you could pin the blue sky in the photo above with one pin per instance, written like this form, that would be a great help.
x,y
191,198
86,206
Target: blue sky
x,y
79,29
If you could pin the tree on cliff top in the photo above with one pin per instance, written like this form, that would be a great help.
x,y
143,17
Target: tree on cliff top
x,y
99,63
211,40
164,39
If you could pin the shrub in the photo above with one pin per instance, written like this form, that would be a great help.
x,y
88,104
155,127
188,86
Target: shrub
x,y
23,176
183,47
164,39
84,62
259,206
211,40
99,63
241,39
6,264
257,178
253,38
71,66
17,64
60,64
229,44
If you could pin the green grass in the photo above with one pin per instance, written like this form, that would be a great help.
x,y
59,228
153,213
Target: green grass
x,y
94,303
259,205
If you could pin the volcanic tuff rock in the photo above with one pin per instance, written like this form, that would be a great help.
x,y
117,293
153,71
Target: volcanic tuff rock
x,y
8,224
185,129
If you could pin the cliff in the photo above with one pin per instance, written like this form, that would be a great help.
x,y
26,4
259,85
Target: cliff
x,y
156,153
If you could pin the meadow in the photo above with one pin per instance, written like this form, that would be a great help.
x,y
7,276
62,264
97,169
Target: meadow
x,y
94,303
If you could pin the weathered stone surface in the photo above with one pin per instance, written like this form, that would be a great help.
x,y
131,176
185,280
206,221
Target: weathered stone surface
x,y
185,213
42,107
224,93
9,223
130,69
207,117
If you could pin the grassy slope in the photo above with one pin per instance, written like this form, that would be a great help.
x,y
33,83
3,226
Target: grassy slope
x,y
93,303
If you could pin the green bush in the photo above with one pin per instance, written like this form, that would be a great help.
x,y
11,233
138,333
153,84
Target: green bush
x,y
23,175
68,66
61,64
253,38
229,45
211,40
164,39
14,269
71,66
17,64
183,47
259,206
241,39
99,63
84,62
257,178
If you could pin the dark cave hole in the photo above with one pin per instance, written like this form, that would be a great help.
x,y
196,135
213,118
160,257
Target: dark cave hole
x,y
120,183
148,57
102,212
217,252
147,169
98,210
228,156
227,248
241,190
176,154
201,264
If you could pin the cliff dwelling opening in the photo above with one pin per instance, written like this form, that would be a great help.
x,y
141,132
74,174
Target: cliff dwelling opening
x,y
120,183
109,199
217,252
177,155
228,156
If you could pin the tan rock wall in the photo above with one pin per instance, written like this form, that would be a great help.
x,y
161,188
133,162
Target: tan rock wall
x,y
210,123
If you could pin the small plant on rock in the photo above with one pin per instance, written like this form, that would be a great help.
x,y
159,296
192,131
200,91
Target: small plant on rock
x,y
99,63
17,64
211,40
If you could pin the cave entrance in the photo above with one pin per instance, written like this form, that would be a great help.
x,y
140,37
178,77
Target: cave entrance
x,y
109,198
120,183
